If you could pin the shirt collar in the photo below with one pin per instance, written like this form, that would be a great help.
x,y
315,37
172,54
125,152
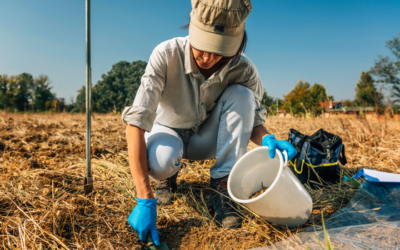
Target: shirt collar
x,y
190,65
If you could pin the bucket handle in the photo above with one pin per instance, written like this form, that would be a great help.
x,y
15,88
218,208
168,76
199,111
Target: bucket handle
x,y
284,156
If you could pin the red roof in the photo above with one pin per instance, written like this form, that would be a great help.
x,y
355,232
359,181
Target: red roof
x,y
328,104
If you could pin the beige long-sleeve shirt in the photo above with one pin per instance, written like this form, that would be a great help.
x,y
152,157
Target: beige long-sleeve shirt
x,y
175,94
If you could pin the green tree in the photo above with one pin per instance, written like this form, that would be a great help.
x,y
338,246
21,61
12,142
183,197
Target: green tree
x,y
23,95
15,91
267,100
11,92
115,90
41,93
318,93
80,101
295,101
387,69
4,84
118,87
366,92
304,99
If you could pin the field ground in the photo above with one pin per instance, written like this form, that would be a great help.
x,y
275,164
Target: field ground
x,y
42,168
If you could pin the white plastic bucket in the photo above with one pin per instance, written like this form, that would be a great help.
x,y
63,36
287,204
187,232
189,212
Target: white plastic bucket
x,y
285,202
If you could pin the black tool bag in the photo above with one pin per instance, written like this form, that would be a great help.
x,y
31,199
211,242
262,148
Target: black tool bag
x,y
318,156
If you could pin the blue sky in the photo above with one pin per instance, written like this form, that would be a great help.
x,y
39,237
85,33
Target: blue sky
x,y
328,42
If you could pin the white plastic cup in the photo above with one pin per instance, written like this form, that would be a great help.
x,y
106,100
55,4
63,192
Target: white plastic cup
x,y
286,202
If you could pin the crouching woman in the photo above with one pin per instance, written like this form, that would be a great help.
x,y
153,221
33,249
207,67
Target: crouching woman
x,y
199,98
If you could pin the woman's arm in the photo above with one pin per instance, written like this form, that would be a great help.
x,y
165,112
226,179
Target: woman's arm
x,y
258,134
137,155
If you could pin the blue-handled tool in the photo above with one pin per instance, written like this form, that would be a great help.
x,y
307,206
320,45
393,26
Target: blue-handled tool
x,y
152,246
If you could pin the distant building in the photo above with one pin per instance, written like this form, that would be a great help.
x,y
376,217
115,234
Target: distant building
x,y
352,110
281,113
330,105
337,108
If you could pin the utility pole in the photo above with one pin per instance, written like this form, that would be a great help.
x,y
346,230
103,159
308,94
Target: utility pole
x,y
88,187
277,107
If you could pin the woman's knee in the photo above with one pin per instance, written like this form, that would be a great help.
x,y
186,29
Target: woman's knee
x,y
239,93
239,99
164,155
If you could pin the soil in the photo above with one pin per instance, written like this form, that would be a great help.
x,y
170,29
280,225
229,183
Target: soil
x,y
258,193
43,204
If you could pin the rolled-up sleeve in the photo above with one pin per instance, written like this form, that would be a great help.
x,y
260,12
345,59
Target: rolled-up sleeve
x,y
142,113
261,114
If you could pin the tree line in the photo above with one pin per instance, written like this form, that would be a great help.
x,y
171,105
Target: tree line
x,y
117,89
304,98
25,93
378,88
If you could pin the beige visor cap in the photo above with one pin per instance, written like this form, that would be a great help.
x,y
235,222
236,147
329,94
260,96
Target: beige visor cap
x,y
217,26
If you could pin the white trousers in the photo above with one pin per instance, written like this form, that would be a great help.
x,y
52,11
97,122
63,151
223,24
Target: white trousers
x,y
225,135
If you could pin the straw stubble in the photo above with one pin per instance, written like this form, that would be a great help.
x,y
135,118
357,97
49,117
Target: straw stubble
x,y
43,206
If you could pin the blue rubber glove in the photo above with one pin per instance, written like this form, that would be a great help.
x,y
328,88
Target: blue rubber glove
x,y
274,144
143,219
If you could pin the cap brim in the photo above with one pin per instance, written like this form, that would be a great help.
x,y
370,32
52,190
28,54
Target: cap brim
x,y
225,45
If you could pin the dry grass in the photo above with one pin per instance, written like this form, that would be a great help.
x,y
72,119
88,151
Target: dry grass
x,y
42,167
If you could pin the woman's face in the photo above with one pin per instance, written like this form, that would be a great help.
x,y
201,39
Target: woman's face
x,y
205,60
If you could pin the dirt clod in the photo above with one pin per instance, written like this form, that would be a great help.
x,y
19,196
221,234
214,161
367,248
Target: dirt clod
x,y
258,193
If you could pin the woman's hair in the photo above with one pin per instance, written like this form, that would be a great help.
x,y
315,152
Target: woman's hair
x,y
241,49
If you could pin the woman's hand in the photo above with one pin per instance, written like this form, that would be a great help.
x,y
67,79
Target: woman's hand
x,y
274,144
144,215
143,219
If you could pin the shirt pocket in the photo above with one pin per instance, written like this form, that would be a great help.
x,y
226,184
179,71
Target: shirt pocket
x,y
211,106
